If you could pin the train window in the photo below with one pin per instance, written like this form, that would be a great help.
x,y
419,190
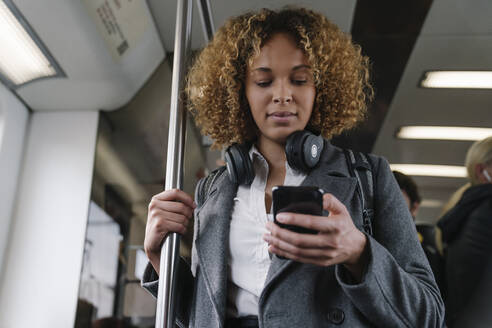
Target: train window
x,y
100,262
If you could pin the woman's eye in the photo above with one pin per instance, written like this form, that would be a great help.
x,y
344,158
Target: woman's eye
x,y
299,82
263,84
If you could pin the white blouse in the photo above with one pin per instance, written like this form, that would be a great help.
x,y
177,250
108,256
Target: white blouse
x,y
249,260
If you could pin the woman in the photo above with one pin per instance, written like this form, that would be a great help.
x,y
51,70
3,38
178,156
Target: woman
x,y
264,76
467,231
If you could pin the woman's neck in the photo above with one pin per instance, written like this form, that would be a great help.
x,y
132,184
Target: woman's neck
x,y
273,152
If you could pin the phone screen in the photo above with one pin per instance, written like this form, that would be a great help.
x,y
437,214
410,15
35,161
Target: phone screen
x,y
303,200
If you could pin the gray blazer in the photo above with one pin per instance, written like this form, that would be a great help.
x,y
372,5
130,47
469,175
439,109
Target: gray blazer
x,y
397,289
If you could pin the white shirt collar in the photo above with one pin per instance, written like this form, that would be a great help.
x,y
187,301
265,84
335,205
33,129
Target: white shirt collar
x,y
254,154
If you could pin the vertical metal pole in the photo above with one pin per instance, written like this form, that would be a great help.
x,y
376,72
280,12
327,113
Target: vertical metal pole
x,y
205,13
174,169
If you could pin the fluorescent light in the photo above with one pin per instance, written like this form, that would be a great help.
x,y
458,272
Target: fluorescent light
x,y
458,79
21,58
443,133
431,170
432,203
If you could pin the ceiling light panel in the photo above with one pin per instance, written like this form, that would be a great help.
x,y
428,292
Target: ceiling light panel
x,y
457,79
430,170
432,203
443,133
22,55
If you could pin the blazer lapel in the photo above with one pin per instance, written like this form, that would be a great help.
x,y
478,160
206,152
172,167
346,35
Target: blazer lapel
x,y
332,176
212,240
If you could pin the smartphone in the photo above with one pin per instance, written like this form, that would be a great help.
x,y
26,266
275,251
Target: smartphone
x,y
302,200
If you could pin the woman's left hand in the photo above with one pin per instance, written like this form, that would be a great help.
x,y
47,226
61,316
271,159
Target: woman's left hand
x,y
338,240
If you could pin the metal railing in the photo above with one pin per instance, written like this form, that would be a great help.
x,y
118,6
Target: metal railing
x,y
169,261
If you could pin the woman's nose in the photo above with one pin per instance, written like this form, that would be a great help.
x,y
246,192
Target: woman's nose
x,y
282,99
282,94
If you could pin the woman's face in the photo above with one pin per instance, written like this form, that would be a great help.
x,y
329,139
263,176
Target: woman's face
x,y
280,89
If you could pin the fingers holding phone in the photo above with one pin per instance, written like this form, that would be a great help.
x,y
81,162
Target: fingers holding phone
x,y
337,239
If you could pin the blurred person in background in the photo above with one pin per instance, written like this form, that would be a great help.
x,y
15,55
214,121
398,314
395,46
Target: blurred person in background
x,y
467,232
410,192
425,231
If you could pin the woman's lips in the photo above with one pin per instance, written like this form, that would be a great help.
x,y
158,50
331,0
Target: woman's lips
x,y
281,116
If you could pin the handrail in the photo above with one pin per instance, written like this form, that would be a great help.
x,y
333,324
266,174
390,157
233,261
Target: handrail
x,y
205,12
166,295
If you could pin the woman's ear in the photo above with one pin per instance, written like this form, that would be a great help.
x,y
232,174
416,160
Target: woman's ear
x,y
414,209
480,173
487,175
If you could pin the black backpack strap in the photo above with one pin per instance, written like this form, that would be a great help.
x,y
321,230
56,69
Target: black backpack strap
x,y
360,168
205,185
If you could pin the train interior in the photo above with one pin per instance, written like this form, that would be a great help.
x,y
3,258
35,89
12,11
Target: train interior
x,y
84,135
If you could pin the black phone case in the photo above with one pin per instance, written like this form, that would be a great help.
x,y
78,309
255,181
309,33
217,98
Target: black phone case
x,y
302,200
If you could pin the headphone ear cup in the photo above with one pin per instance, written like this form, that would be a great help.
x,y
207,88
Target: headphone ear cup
x,y
294,150
231,165
239,166
312,148
303,150
249,173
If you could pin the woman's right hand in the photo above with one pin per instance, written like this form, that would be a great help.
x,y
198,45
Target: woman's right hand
x,y
169,211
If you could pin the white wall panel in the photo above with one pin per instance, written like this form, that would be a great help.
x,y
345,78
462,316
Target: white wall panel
x,y
44,256
13,121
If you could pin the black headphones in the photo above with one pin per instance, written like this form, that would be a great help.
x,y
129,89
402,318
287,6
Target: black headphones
x,y
302,149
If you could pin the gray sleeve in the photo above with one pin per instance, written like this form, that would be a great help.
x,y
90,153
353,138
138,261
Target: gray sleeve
x,y
184,290
398,288
150,280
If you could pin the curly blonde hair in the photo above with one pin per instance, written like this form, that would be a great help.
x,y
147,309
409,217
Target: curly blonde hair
x,y
216,81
